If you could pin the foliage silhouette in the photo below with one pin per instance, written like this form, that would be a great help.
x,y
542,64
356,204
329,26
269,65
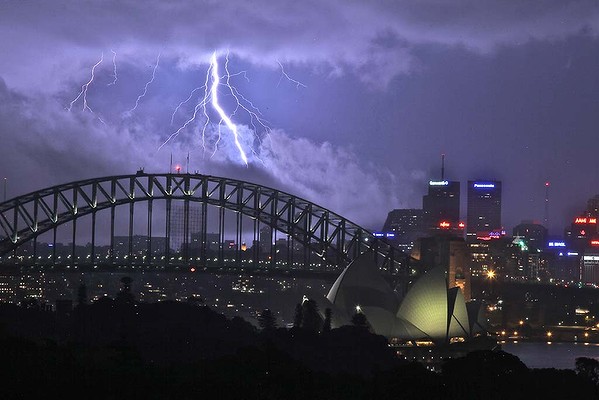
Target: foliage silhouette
x,y
266,320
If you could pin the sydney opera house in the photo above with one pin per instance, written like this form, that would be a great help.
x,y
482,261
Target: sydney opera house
x,y
429,311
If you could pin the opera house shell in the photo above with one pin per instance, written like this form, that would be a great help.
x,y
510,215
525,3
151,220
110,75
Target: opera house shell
x,y
429,311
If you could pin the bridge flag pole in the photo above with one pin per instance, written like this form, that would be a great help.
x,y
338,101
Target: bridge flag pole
x,y
170,168
188,162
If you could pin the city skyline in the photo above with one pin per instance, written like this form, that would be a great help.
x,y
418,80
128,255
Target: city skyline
x,y
361,99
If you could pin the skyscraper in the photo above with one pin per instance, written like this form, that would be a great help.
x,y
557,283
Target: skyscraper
x,y
442,203
484,207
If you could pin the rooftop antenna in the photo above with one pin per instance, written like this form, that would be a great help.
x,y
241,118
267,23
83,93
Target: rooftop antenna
x,y
546,217
442,167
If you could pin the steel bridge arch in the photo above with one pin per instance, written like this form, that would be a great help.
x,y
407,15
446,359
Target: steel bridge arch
x,y
333,238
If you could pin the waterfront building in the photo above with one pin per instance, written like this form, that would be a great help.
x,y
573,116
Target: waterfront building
x,y
589,268
430,310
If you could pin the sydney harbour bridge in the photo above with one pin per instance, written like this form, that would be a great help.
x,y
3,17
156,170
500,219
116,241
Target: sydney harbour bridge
x,y
181,220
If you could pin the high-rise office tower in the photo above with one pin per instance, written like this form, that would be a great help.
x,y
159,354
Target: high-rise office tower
x,y
442,202
484,207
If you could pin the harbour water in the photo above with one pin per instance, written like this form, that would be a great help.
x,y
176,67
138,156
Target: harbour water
x,y
551,354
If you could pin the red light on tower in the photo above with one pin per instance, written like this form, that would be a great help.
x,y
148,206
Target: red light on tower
x,y
546,184
178,168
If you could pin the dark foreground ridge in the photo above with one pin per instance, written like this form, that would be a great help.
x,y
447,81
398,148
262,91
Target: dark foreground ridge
x,y
118,349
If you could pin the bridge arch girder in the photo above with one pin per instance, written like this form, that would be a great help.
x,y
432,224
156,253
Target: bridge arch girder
x,y
324,232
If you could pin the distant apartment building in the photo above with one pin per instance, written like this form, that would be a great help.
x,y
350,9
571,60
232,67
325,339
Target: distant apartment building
x,y
406,225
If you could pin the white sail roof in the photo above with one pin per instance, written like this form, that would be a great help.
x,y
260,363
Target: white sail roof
x,y
429,310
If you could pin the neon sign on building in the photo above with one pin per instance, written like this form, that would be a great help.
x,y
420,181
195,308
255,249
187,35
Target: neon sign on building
x,y
585,220
556,244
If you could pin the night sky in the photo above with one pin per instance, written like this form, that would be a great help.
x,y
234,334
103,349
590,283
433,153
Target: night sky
x,y
508,90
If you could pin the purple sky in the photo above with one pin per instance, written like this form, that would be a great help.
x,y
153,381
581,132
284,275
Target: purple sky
x,y
507,90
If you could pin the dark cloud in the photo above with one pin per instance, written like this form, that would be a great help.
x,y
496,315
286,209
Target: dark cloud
x,y
341,35
50,146
507,89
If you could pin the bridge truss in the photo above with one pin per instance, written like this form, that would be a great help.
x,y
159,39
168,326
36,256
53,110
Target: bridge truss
x,y
286,232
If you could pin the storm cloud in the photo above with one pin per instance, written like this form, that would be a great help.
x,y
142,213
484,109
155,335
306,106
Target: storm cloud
x,y
374,39
508,90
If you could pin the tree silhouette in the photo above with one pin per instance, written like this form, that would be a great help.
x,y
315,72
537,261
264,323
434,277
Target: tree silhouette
x,y
267,320
359,320
82,295
298,317
326,326
311,320
589,368
125,295
196,300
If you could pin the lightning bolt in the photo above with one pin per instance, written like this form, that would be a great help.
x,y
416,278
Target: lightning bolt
x,y
113,68
211,96
254,113
147,85
201,105
220,111
290,79
85,86
184,102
